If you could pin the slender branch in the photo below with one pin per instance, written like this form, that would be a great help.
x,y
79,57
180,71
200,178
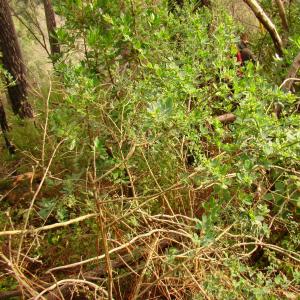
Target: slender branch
x,y
46,124
48,227
42,43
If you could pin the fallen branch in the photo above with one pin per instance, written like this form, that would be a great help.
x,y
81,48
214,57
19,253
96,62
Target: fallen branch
x,y
125,245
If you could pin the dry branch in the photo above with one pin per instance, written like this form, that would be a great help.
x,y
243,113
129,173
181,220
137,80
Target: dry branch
x,y
267,23
48,227
282,15
123,246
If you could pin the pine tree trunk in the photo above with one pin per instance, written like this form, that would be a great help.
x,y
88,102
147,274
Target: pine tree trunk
x,y
3,121
51,26
5,129
13,63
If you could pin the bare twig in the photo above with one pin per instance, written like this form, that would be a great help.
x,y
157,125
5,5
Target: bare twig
x,y
48,227
46,125
43,43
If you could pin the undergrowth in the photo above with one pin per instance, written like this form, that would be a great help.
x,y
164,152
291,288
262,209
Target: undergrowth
x,y
128,158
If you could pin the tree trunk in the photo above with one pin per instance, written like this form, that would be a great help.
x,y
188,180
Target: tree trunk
x,y
3,121
5,129
267,23
292,74
13,63
51,26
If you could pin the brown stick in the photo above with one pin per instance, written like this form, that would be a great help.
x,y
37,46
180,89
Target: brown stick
x,y
267,23
282,15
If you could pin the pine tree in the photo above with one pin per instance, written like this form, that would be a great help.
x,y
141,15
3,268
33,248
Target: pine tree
x,y
13,63
4,127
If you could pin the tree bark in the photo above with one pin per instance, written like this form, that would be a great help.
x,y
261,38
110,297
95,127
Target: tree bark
x,y
4,127
292,73
51,26
267,23
3,121
13,63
